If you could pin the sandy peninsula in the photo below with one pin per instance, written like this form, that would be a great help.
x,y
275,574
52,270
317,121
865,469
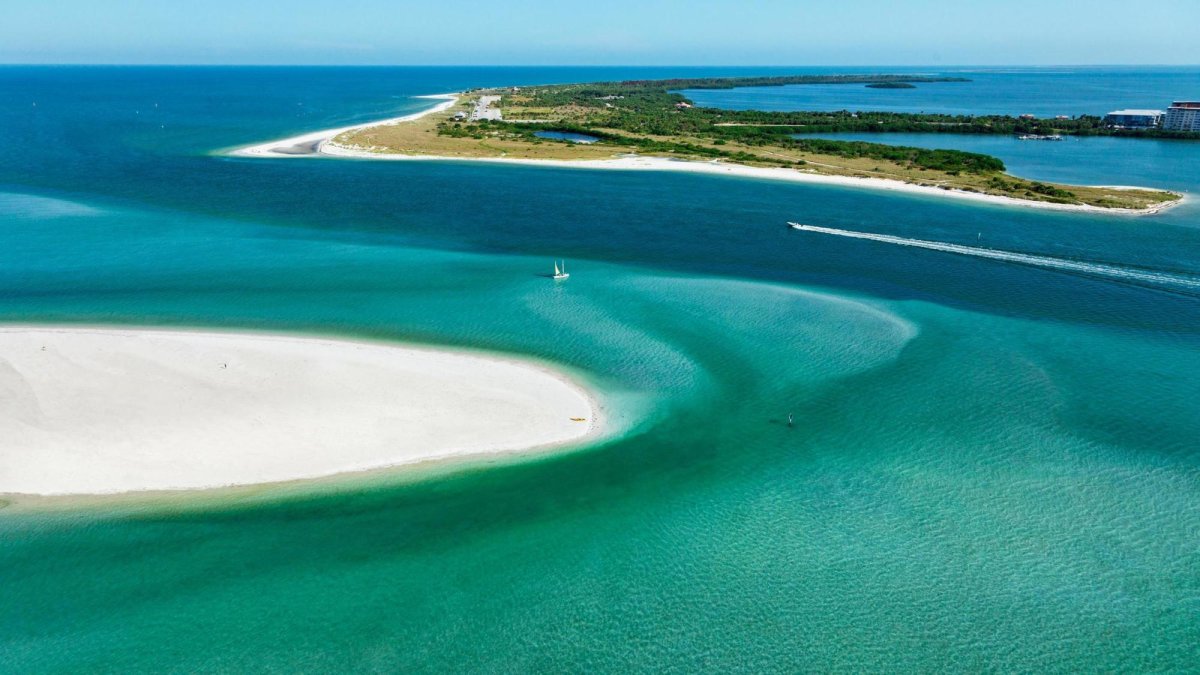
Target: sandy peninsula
x,y
332,142
99,410
312,143
646,163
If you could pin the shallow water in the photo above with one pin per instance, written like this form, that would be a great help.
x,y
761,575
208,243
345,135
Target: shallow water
x,y
993,466
566,136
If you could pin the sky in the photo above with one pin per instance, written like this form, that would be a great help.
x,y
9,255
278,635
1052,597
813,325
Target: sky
x,y
601,32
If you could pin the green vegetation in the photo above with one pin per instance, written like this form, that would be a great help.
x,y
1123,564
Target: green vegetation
x,y
780,81
950,161
651,118
885,122
645,145
1017,186
656,107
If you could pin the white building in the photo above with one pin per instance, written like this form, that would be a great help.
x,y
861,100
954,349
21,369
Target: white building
x,y
1134,119
1183,116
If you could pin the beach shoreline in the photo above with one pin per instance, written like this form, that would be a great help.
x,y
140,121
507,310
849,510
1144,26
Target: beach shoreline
x,y
322,143
312,143
99,411
649,163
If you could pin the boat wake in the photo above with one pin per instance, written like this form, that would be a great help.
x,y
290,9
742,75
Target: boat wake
x,y
1129,274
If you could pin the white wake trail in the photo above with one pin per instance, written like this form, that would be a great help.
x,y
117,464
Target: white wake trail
x,y
1114,271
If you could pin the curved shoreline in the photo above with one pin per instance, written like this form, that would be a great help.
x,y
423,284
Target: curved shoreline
x,y
644,163
321,143
313,143
110,411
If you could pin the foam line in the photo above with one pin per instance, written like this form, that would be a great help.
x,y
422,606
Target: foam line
x,y
1102,269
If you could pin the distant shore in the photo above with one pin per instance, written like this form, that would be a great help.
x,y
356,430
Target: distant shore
x,y
322,143
113,410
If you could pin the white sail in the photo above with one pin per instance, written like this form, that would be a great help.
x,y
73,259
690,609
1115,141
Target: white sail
x,y
556,270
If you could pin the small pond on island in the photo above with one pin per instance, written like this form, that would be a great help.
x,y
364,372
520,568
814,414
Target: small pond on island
x,y
566,136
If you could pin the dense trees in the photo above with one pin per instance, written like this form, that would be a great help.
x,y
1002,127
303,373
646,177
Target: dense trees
x,y
654,107
885,122
951,161
652,116
779,81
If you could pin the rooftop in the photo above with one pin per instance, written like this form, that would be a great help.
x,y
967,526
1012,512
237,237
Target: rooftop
x,y
1137,112
1190,105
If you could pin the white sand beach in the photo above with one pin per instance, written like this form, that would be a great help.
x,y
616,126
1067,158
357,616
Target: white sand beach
x,y
106,410
321,143
312,143
643,163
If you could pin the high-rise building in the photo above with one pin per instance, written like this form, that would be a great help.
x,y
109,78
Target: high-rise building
x,y
1182,116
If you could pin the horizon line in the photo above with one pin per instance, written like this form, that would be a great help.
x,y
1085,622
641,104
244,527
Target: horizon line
x,y
591,65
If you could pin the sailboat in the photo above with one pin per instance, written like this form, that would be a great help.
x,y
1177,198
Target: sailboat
x,y
560,272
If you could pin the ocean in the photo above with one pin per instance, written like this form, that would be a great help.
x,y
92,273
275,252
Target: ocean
x,y
994,465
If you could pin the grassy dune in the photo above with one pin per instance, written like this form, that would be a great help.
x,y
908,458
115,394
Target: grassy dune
x,y
438,135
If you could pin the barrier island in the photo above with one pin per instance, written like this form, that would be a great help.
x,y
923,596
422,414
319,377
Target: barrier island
x,y
647,123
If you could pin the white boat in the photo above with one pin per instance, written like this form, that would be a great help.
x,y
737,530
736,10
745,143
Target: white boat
x,y
560,272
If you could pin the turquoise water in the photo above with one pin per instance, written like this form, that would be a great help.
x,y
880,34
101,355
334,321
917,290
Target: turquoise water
x,y
994,466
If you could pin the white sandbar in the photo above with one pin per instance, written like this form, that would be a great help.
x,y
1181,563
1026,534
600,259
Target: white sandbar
x,y
92,410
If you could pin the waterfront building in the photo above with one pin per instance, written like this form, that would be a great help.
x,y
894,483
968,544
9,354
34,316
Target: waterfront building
x,y
1134,119
1183,116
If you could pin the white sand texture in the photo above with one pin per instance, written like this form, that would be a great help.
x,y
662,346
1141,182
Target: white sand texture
x,y
321,143
95,411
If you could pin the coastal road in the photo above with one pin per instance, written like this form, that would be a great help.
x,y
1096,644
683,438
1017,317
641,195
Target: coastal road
x,y
486,108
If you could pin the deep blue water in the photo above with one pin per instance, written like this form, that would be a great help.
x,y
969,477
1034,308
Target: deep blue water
x,y
994,467
95,133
